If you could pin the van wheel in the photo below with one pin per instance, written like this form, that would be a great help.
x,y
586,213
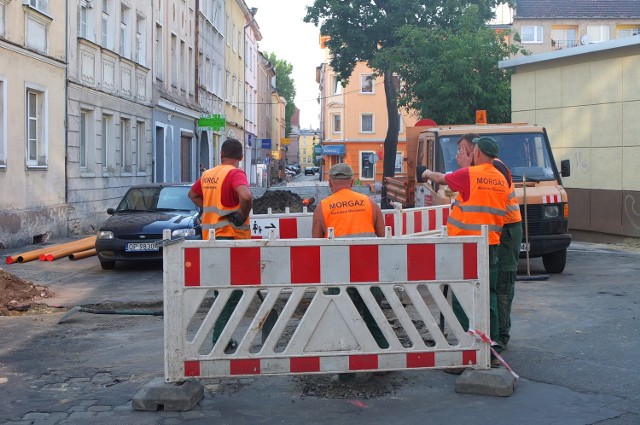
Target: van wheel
x,y
555,261
108,265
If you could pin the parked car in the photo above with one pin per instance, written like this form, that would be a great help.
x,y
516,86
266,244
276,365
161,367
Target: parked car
x,y
316,169
134,230
309,171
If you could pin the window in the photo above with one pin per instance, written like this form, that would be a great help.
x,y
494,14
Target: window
x,y
398,166
125,36
174,60
159,48
1,20
191,76
125,145
531,34
234,94
400,129
107,140
107,23
3,125
85,21
563,37
367,165
36,125
337,123
228,31
336,86
235,33
185,66
83,139
240,95
141,146
227,94
141,41
366,123
598,33
41,5
628,30
366,83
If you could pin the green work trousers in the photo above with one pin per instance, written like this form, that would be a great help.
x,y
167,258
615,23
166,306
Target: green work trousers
x,y
226,312
508,255
493,302
228,309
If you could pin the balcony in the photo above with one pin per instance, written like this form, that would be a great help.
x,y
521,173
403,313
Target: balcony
x,y
564,44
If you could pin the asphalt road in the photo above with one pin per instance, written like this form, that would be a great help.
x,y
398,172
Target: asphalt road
x,y
574,344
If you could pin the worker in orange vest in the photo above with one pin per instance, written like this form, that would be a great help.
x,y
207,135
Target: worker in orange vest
x,y
350,214
483,194
510,239
225,198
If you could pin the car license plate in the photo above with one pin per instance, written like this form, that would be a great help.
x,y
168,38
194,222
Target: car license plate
x,y
524,247
142,246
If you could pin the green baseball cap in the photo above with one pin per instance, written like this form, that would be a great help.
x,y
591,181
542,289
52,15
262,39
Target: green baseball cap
x,y
341,171
487,146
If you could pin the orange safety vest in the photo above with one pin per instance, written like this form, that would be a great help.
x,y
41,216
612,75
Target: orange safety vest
x,y
213,212
486,205
513,208
349,213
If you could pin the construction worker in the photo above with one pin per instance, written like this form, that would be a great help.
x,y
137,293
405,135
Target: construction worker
x,y
482,198
225,198
510,239
351,214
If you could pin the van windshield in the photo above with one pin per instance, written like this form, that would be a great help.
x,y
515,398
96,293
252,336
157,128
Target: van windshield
x,y
526,154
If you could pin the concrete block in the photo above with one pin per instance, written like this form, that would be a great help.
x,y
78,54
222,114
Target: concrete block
x,y
160,395
495,381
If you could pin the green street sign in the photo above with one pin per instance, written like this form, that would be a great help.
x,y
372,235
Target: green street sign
x,y
217,122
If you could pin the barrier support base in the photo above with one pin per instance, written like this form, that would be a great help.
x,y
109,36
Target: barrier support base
x,y
495,381
160,395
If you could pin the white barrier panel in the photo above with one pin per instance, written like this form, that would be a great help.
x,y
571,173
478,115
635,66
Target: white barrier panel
x,y
403,222
319,328
420,220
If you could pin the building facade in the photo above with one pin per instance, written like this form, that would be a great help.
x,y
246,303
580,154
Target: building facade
x,y
175,104
108,107
354,123
252,36
545,25
588,98
210,78
32,121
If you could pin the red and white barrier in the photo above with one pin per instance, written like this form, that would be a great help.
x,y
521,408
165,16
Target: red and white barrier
x,y
409,221
320,330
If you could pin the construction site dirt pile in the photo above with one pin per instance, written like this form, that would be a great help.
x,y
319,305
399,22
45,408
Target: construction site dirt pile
x,y
18,296
277,200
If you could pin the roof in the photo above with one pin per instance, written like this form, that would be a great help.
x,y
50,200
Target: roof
x,y
624,42
583,9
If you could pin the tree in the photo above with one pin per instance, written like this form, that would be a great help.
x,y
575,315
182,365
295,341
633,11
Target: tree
x,y
449,73
285,86
364,30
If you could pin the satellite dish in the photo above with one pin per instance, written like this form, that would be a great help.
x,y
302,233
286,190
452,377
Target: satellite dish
x,y
585,39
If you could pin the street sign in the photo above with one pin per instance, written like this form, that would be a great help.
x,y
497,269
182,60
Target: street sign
x,y
216,122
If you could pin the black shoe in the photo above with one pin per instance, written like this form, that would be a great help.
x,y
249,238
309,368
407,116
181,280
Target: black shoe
x,y
231,347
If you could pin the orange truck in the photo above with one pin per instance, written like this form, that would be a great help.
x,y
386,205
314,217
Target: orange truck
x,y
526,150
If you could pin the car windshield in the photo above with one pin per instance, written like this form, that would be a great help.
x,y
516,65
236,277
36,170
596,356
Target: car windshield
x,y
168,198
526,154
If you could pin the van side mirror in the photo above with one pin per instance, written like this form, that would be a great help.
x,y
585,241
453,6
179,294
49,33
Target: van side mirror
x,y
565,168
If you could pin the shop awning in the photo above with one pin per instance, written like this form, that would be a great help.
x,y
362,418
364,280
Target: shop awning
x,y
334,150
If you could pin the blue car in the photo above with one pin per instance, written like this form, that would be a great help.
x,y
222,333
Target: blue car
x,y
134,230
